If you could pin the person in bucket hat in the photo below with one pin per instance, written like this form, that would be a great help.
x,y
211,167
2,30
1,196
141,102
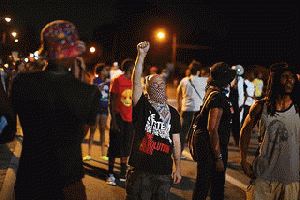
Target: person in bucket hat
x,y
60,40
54,109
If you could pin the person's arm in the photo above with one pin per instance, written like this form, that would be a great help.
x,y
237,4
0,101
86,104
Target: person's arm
x,y
246,130
214,119
179,96
176,155
142,48
112,102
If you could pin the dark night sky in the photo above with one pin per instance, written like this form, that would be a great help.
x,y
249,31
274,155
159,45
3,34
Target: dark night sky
x,y
239,33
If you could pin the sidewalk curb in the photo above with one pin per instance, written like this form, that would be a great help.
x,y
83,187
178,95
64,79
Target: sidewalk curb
x,y
7,190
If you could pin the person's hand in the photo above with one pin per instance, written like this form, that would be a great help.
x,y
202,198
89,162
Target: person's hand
x,y
143,48
247,168
220,166
176,177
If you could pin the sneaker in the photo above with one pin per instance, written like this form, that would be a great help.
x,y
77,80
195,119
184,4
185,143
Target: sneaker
x,y
122,177
104,157
87,158
111,180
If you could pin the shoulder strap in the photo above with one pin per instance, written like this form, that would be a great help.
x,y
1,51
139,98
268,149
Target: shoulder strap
x,y
190,79
206,100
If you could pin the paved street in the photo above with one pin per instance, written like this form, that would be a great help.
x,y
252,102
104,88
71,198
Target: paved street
x,y
96,170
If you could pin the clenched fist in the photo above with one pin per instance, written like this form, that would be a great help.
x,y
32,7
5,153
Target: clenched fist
x,y
143,48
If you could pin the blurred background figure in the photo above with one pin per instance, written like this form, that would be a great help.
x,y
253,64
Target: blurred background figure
x,y
102,81
115,70
249,90
259,85
235,99
165,74
190,93
204,72
21,66
153,70
3,75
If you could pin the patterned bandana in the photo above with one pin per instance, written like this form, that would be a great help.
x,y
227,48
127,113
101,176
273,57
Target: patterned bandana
x,y
156,88
60,40
156,91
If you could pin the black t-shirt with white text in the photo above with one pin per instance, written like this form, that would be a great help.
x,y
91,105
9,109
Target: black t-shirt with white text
x,y
153,144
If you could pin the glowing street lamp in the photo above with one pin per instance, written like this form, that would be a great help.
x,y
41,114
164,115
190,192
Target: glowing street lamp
x,y
7,19
92,50
14,34
160,35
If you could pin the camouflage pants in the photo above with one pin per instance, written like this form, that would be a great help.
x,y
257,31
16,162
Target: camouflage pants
x,y
145,185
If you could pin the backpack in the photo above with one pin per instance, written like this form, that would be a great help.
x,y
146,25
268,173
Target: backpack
x,y
190,139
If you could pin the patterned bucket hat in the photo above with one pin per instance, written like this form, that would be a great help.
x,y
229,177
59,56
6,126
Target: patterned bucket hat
x,y
60,40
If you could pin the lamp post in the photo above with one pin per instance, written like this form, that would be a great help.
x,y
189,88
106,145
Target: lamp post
x,y
4,20
161,35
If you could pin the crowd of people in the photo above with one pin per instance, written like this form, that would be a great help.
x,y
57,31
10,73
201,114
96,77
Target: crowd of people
x,y
62,101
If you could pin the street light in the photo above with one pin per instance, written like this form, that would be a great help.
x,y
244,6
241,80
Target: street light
x,y
92,49
7,19
160,35
14,34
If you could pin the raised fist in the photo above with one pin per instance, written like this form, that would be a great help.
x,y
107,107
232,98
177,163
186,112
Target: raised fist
x,y
143,47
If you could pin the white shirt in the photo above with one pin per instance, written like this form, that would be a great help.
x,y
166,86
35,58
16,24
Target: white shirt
x,y
190,100
115,73
250,91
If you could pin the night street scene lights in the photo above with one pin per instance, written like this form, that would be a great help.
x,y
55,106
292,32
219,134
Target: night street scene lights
x,y
161,35
92,50
7,19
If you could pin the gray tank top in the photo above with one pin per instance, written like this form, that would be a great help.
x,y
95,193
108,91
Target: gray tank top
x,y
278,159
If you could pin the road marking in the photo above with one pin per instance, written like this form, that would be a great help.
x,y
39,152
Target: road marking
x,y
236,182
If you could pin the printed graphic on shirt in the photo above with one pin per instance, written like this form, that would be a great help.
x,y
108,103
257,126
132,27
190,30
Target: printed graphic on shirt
x,y
278,134
159,129
148,145
126,97
105,93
